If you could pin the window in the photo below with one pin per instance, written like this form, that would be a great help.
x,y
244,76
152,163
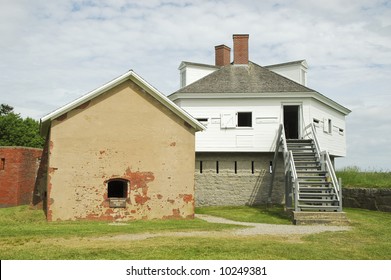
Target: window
x,y
327,126
203,121
183,78
2,164
245,119
117,188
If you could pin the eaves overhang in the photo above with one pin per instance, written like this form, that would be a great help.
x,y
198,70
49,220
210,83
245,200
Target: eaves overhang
x,y
130,75
264,95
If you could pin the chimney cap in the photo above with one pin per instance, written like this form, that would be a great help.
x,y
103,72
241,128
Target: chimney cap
x,y
240,35
222,46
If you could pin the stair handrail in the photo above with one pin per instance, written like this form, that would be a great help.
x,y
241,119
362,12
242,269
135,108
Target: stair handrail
x,y
289,164
333,176
314,137
324,157
274,166
295,180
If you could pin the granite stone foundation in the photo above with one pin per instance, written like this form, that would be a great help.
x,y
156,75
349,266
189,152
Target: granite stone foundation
x,y
367,198
236,179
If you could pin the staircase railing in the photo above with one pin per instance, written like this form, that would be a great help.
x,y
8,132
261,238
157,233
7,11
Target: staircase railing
x,y
325,161
289,165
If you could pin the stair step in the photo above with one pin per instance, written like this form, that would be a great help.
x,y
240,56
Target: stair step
x,y
322,177
311,172
310,162
300,148
302,195
319,217
317,200
314,189
304,155
303,183
318,207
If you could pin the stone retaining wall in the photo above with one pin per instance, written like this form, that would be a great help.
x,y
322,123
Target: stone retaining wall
x,y
367,198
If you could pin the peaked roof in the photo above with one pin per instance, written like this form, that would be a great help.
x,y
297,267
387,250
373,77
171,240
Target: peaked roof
x,y
302,62
250,78
130,75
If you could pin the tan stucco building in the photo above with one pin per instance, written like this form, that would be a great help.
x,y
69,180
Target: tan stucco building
x,y
122,152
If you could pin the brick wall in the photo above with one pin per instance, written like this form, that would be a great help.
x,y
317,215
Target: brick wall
x,y
18,169
236,179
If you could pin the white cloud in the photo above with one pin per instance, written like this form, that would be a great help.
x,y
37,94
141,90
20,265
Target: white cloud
x,y
52,52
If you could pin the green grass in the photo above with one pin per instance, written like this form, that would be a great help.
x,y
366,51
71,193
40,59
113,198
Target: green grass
x,y
354,177
274,215
26,235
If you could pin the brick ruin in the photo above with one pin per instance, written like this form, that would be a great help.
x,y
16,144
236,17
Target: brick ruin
x,y
18,173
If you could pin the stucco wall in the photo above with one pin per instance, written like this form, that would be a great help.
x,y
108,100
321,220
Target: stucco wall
x,y
127,134
18,167
247,184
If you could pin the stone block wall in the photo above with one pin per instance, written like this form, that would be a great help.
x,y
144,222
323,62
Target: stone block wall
x,y
367,198
18,170
236,179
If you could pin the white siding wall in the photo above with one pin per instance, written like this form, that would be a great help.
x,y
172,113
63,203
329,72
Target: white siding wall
x,y
294,72
222,135
260,137
194,73
332,139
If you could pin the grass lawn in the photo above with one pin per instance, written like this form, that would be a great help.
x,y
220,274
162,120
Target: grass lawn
x,y
354,177
26,235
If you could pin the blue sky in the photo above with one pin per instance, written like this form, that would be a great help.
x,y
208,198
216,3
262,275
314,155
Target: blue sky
x,y
52,52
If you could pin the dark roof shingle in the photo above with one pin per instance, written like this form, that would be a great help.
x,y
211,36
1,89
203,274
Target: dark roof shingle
x,y
250,78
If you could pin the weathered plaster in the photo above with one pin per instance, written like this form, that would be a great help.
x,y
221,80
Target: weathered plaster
x,y
124,134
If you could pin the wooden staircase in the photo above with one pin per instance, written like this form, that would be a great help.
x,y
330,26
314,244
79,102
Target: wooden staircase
x,y
313,193
315,190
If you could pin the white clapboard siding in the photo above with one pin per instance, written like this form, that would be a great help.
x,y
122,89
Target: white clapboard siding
x,y
222,134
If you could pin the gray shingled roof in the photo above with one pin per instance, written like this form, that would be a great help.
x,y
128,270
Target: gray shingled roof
x,y
250,78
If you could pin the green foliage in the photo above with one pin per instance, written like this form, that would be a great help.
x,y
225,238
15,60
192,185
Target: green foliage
x,y
353,176
16,131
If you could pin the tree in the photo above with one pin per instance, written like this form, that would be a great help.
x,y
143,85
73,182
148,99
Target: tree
x,y
16,131
5,109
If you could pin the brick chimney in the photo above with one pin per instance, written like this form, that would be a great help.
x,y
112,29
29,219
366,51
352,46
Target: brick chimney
x,y
240,48
222,55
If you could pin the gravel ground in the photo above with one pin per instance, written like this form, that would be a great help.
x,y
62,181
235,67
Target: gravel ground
x,y
250,230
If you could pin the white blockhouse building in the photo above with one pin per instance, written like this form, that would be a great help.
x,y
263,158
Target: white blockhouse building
x,y
256,117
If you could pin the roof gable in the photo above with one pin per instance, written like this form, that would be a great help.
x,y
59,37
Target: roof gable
x,y
131,75
250,78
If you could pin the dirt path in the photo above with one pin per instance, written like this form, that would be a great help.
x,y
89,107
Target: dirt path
x,y
250,230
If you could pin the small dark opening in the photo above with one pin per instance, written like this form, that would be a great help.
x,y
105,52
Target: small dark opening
x,y
291,122
245,119
217,167
236,167
200,166
2,164
252,167
117,189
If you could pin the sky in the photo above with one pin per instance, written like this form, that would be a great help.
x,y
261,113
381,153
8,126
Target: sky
x,y
52,52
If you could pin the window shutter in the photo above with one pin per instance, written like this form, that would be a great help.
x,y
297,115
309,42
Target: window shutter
x,y
228,120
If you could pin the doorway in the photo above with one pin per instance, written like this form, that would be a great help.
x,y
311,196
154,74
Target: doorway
x,y
291,121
